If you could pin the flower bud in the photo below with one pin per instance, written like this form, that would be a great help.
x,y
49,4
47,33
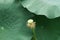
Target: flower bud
x,y
31,23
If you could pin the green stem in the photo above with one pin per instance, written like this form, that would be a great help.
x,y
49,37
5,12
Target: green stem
x,y
34,34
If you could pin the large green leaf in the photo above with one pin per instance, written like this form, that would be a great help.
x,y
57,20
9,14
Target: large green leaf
x,y
49,8
13,22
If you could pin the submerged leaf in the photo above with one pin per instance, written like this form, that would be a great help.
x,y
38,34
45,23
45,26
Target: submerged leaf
x,y
13,23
